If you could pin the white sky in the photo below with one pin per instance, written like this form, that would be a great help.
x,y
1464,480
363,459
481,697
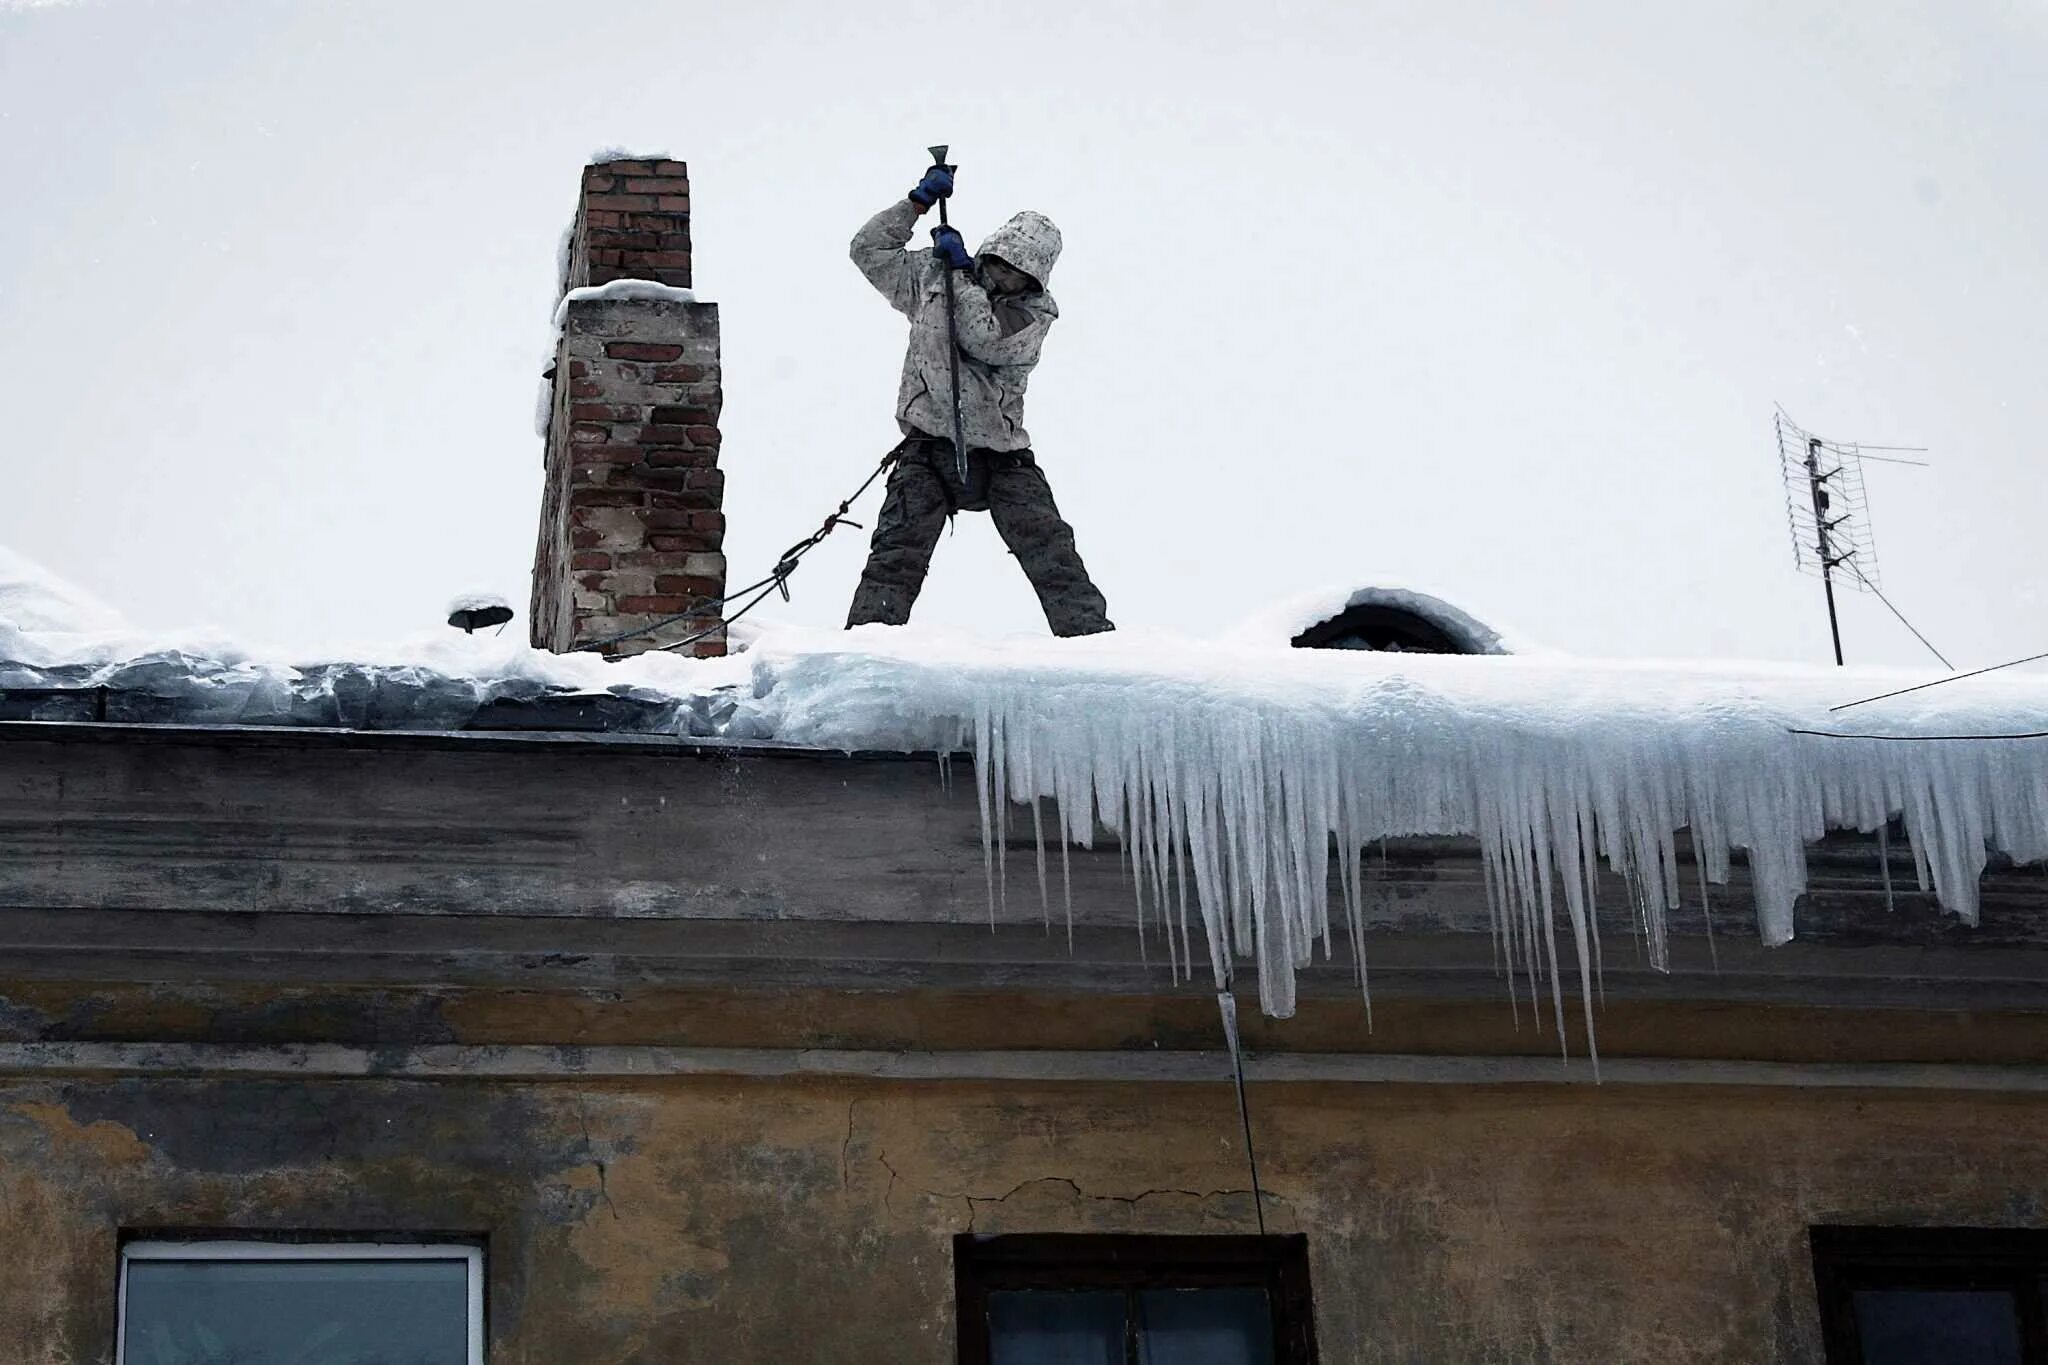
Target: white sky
x,y
1489,298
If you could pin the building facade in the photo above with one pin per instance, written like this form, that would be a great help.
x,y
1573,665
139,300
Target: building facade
x,y
706,1053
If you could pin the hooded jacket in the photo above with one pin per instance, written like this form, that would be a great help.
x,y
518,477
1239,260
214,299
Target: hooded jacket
x,y
1000,335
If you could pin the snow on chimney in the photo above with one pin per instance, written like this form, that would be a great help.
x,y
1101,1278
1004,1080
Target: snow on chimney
x,y
631,522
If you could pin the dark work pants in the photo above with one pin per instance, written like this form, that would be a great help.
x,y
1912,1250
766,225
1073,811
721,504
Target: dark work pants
x,y
925,489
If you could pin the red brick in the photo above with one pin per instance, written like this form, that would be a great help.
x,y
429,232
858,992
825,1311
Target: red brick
x,y
674,259
671,168
597,181
679,276
681,374
676,457
578,369
642,350
653,186
582,538
657,222
670,520
610,454
703,436
672,241
691,587
592,582
605,412
712,480
600,219
655,605
645,559
673,203
586,388
625,203
680,417
627,240
622,168
685,501
604,257
707,521
604,497
590,559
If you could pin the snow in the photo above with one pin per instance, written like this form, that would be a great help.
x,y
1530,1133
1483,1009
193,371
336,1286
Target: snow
x,y
606,155
478,601
32,598
621,289
1228,766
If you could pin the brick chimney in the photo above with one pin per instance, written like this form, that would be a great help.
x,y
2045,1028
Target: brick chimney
x,y
631,526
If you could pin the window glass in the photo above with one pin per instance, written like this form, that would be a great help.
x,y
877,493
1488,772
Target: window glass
x,y
1937,1327
306,1312
1055,1327
1204,1327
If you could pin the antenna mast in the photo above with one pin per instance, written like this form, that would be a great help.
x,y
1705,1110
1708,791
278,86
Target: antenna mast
x,y
1829,512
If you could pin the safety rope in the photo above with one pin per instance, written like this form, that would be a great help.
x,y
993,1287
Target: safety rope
x,y
777,579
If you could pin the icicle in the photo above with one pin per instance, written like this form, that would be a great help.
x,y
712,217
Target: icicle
x,y
1229,810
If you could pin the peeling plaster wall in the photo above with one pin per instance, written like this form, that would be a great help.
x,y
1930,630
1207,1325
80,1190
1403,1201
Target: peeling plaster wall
x,y
733,1221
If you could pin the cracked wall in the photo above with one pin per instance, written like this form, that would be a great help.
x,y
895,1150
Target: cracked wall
x,y
731,1221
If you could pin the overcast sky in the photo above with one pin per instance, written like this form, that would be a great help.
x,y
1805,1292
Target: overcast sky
x,y
1491,299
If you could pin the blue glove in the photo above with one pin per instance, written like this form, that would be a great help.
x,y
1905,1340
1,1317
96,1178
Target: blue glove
x,y
936,185
948,247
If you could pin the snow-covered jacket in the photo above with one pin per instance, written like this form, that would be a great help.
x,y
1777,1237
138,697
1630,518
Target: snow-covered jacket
x,y
999,336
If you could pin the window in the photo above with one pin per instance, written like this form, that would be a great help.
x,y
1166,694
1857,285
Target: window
x,y
1932,1296
327,1303
1106,1300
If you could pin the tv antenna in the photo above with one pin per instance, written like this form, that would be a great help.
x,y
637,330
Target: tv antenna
x,y
1829,513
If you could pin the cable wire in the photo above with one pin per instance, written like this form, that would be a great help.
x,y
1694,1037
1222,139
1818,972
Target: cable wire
x,y
1854,569
1839,734
1953,677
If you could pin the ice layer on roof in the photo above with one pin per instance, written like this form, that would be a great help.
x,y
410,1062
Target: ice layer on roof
x,y
1230,770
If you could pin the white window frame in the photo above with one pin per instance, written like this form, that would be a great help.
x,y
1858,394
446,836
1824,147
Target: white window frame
x,y
220,1250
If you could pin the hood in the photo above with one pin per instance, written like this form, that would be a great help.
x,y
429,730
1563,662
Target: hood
x,y
1029,242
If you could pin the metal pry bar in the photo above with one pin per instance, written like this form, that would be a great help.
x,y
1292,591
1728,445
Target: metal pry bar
x,y
952,335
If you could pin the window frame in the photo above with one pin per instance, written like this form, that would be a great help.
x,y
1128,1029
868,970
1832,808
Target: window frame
x,y
326,1248
1277,1264
1848,1258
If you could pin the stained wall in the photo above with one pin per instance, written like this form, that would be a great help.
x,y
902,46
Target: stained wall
x,y
727,1220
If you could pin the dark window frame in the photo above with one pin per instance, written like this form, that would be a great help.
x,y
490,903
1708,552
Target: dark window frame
x,y
1846,1259
1129,1262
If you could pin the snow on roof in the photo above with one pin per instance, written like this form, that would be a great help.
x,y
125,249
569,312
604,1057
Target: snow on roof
x,y
1228,766
37,600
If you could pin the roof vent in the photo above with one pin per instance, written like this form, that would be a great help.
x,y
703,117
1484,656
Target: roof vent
x,y
1398,620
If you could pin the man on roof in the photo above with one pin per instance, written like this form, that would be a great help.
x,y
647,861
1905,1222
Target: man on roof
x,y
1003,313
